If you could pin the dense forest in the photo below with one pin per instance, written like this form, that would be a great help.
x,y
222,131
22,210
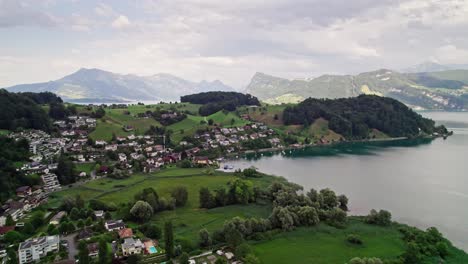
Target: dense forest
x,y
355,117
21,111
12,152
43,97
216,101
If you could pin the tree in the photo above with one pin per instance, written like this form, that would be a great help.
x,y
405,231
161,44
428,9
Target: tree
x,y
205,240
383,218
210,122
57,111
337,217
328,199
74,214
442,248
83,253
221,261
151,231
169,239
412,254
28,229
343,201
13,237
206,198
103,252
9,221
308,216
184,258
142,211
65,170
180,194
243,250
251,259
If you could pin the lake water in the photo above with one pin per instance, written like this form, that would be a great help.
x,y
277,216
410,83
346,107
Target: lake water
x,y
421,183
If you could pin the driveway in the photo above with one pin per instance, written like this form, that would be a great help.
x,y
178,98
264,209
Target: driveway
x,y
72,247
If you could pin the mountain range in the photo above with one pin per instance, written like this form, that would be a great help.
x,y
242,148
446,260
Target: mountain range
x,y
95,85
442,90
425,86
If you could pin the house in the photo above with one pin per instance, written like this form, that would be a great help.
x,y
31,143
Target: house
x,y
125,233
112,147
51,182
93,250
84,234
99,214
23,191
55,220
122,157
101,143
33,250
114,225
131,246
201,160
229,255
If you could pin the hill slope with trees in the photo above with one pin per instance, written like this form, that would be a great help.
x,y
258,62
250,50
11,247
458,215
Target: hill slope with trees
x,y
354,117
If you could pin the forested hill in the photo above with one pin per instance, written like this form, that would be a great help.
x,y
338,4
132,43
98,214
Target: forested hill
x,y
354,118
22,111
216,101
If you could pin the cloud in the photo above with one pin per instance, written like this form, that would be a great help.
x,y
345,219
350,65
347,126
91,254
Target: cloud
x,y
450,54
104,10
212,39
121,22
14,13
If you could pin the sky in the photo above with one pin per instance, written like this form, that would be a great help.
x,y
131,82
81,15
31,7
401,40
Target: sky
x,y
43,40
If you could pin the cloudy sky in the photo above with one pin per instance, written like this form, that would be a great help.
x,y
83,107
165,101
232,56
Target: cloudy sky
x,y
42,40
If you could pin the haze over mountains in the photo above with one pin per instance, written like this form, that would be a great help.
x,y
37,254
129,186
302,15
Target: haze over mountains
x,y
425,86
92,85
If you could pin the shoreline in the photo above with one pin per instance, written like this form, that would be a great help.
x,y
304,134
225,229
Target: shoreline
x,y
235,155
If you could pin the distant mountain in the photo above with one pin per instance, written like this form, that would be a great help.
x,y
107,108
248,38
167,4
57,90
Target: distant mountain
x,y
94,85
430,66
445,90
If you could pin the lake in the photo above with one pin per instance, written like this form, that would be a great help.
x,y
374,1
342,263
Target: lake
x,y
422,183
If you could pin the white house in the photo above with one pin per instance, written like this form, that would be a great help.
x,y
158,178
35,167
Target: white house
x,y
33,250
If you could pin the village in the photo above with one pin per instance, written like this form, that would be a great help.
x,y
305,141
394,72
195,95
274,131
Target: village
x,y
118,158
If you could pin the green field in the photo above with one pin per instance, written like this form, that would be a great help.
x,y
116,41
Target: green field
x,y
191,124
189,219
85,167
328,245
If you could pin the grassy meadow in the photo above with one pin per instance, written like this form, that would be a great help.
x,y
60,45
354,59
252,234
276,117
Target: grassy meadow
x,y
188,220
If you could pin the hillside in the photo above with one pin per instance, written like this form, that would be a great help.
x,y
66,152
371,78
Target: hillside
x,y
22,111
446,90
355,118
91,85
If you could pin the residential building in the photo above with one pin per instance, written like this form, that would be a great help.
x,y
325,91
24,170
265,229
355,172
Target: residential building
x,y
131,246
93,250
51,182
125,233
114,225
33,250
56,218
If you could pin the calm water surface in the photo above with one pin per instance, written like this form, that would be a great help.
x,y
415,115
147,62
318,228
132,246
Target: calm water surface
x,y
422,183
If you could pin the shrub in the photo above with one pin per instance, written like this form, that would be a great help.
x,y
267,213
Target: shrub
x,y
354,239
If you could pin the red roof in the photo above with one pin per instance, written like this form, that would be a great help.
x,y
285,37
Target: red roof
x,y
126,232
6,229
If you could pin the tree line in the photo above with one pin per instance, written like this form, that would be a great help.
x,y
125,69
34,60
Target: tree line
x,y
213,102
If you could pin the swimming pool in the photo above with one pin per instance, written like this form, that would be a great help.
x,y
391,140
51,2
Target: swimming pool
x,y
153,250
